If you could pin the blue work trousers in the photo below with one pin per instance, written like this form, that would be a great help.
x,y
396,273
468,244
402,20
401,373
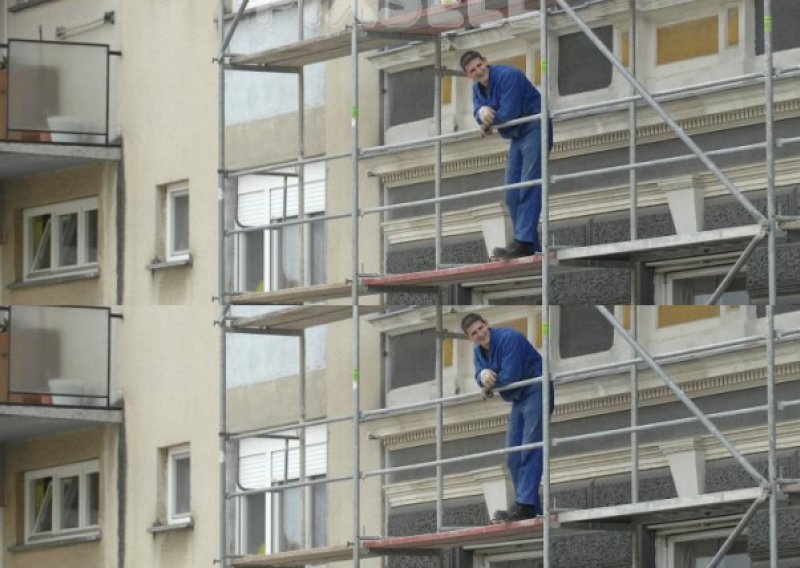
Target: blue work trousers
x,y
525,427
525,204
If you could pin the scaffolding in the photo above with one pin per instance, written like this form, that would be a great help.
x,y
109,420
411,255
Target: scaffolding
x,y
432,25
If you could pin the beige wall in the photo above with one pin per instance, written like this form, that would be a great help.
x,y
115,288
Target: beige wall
x,y
170,123
170,360
62,449
44,189
25,24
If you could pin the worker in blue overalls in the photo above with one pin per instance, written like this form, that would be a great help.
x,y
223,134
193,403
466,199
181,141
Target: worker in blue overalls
x,y
504,356
501,93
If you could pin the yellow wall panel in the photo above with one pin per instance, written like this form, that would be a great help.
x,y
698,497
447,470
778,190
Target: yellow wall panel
x,y
675,315
686,40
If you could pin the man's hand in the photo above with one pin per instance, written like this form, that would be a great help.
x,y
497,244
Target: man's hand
x,y
488,380
486,115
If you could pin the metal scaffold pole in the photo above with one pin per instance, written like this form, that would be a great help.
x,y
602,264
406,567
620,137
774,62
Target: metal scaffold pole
x,y
437,164
356,347
769,117
544,124
221,290
439,412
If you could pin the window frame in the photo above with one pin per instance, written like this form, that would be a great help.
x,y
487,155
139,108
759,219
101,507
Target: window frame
x,y
172,193
82,470
173,455
667,276
668,537
81,208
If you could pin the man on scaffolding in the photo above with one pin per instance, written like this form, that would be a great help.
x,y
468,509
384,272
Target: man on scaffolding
x,y
502,93
504,356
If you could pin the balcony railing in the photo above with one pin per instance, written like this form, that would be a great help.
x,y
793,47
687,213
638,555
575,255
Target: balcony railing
x,y
58,356
56,92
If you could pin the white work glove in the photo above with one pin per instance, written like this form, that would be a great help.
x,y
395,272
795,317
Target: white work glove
x,y
488,378
486,115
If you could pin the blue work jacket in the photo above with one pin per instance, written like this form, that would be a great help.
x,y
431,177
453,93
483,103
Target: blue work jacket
x,y
511,95
512,357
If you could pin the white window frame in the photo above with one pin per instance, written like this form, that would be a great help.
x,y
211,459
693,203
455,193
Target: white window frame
x,y
82,470
81,207
668,274
490,560
173,455
256,4
173,192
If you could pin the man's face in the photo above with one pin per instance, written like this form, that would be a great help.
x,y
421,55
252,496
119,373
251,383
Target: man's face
x,y
478,333
477,70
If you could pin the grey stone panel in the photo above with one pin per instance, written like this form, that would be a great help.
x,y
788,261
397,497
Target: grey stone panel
x,y
788,533
602,549
591,286
607,493
787,256
657,223
576,235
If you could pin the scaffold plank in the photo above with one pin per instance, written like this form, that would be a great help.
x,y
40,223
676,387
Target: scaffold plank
x,y
300,317
489,271
488,534
708,504
289,296
298,557
672,246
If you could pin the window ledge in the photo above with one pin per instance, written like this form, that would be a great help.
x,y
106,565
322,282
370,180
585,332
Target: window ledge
x,y
159,264
56,279
229,16
159,527
28,4
93,536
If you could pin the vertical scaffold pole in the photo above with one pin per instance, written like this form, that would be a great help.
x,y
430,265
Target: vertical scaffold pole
x,y
356,350
635,282
439,412
769,117
302,279
437,159
223,402
301,434
545,127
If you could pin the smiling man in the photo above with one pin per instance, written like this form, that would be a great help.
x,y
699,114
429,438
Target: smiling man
x,y
501,93
504,356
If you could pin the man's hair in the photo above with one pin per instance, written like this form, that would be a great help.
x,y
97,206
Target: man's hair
x,y
469,56
469,319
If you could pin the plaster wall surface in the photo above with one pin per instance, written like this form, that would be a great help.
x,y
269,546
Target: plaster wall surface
x,y
170,125
44,18
45,189
39,453
171,398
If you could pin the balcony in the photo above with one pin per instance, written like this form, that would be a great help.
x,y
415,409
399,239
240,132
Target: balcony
x,y
56,108
57,370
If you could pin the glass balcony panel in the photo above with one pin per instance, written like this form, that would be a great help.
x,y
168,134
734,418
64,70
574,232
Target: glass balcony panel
x,y
59,355
60,88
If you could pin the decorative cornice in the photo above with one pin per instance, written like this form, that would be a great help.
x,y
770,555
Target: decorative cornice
x,y
594,406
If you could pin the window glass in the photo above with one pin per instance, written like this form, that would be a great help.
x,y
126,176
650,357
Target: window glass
x,y
410,95
68,239
70,499
255,512
254,261
42,490
413,358
180,222
182,490
40,240
92,498
581,66
91,235
319,514
287,505
583,330
697,291
785,23
698,554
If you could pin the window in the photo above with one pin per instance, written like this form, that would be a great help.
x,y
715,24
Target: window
x,y
785,21
686,40
60,238
687,548
694,286
62,501
178,485
583,330
409,95
276,521
269,259
581,66
177,222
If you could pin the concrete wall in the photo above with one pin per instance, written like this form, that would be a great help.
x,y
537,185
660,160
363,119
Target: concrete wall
x,y
43,19
171,398
39,453
65,185
170,125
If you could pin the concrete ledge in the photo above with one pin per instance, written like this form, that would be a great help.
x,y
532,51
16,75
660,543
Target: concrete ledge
x,y
157,528
153,266
90,152
82,538
55,279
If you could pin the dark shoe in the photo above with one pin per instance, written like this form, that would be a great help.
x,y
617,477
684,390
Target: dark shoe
x,y
515,249
517,512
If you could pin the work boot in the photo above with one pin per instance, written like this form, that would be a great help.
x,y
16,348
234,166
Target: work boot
x,y
515,249
517,512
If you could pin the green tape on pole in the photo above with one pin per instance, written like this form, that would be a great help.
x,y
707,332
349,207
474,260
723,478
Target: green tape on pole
x,y
767,24
543,65
356,375
354,112
545,329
